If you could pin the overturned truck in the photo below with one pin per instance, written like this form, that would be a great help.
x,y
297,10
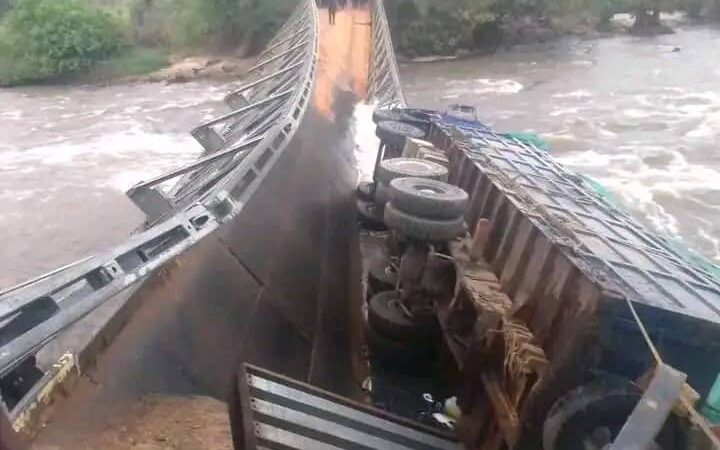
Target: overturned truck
x,y
583,279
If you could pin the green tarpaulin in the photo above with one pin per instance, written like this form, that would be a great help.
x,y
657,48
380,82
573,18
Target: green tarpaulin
x,y
529,138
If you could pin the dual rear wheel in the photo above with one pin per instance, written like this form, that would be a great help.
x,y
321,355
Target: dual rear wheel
x,y
591,416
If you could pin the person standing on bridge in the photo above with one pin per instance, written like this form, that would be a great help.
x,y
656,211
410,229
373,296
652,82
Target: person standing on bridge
x,y
332,9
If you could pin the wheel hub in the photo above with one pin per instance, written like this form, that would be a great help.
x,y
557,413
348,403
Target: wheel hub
x,y
599,439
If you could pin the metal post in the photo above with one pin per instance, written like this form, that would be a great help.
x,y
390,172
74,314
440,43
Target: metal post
x,y
652,410
380,152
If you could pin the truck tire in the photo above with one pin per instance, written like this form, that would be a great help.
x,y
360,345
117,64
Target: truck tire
x,y
381,276
365,190
439,277
421,118
425,115
387,114
370,215
595,413
428,198
390,169
394,133
422,228
387,318
396,353
411,117
382,194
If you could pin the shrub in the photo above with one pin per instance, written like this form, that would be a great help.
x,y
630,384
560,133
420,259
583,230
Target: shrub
x,y
56,38
443,30
208,24
265,18
203,23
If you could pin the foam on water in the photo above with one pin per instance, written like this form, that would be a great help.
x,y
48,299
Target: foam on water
x,y
564,111
67,159
12,114
575,95
714,243
490,86
638,184
709,127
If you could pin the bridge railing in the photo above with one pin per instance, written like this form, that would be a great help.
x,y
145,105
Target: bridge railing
x,y
239,150
384,83
263,114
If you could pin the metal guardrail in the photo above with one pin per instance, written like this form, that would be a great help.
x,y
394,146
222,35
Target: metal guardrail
x,y
384,83
240,149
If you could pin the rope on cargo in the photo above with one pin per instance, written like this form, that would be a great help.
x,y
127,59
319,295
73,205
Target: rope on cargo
x,y
696,416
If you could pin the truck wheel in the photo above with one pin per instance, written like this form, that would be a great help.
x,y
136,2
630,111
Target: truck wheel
x,y
435,230
397,353
439,276
428,198
381,275
365,190
425,115
370,215
395,243
382,194
591,416
397,132
390,169
386,316
400,115
387,114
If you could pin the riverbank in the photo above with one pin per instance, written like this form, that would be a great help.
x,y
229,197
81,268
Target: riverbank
x,y
435,34
155,66
178,69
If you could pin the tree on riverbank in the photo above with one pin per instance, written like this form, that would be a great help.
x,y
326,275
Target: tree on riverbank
x,y
426,27
207,24
57,39
44,39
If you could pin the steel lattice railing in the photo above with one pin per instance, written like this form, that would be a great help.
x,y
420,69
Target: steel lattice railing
x,y
240,148
384,83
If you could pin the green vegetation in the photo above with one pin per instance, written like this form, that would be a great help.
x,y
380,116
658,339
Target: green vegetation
x,y
48,40
207,24
427,27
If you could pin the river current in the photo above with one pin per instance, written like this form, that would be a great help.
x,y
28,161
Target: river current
x,y
639,115
68,154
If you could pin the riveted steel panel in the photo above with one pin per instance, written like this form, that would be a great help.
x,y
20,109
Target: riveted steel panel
x,y
610,247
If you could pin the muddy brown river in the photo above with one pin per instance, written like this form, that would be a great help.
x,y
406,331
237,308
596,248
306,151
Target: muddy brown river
x,y
633,113
68,154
